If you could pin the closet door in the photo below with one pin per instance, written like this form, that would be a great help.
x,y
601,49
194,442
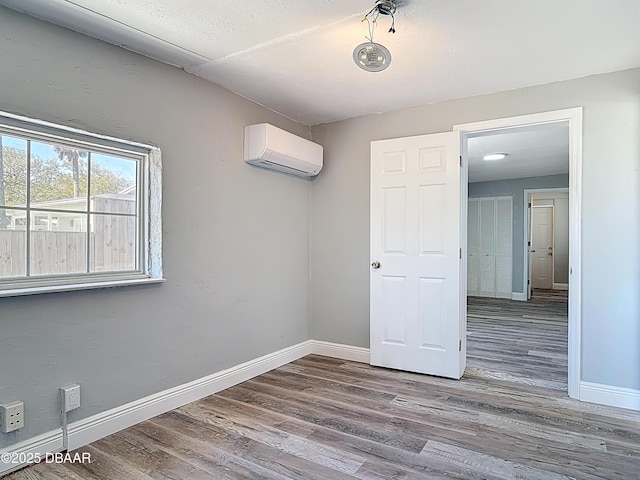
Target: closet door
x,y
473,238
487,263
504,246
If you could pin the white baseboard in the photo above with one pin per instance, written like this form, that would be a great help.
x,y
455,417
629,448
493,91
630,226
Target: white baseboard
x,y
343,352
560,286
608,395
99,426
28,449
521,297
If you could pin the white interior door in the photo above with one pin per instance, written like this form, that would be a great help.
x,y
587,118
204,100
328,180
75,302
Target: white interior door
x,y
473,232
417,316
529,255
542,247
490,246
487,268
504,246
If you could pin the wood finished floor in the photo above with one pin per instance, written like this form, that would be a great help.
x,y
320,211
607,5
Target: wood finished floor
x,y
322,418
519,341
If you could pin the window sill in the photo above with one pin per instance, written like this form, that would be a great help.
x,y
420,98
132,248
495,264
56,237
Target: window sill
x,y
78,286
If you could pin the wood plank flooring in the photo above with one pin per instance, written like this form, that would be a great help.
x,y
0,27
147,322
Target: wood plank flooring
x,y
519,341
323,418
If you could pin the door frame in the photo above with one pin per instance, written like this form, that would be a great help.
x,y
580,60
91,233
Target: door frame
x,y
573,116
527,233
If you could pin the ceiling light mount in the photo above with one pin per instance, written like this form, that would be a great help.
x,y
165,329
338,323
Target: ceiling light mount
x,y
371,56
386,7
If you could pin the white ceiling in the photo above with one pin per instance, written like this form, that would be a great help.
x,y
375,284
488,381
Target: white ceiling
x,y
533,151
295,56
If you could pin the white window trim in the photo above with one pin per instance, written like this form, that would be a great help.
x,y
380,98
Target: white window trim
x,y
151,218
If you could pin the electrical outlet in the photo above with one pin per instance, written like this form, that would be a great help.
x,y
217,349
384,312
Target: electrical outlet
x,y
11,416
70,397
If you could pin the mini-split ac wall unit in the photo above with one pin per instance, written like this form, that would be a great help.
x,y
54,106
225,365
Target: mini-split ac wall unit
x,y
269,147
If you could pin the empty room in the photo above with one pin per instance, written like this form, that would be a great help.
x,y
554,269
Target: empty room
x,y
375,239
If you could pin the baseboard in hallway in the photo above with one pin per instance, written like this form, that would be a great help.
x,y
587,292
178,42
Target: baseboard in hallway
x,y
545,294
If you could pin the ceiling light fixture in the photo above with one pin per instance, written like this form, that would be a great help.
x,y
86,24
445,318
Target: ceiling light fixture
x,y
372,56
494,156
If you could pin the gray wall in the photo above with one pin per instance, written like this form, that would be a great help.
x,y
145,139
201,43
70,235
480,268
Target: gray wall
x,y
610,210
515,188
236,238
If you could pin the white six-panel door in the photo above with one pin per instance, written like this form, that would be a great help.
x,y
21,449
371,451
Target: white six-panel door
x,y
417,322
542,247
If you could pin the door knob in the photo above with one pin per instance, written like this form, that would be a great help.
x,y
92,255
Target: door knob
x,y
375,265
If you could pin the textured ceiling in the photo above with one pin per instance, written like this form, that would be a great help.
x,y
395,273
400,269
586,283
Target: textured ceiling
x,y
532,151
294,56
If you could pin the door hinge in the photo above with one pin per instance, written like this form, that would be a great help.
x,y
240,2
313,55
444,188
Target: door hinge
x,y
459,345
529,204
460,253
460,161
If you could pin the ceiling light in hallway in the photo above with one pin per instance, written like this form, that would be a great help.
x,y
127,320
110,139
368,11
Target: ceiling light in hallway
x,y
494,156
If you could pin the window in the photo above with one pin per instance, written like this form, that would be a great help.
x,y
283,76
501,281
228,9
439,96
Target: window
x,y
77,210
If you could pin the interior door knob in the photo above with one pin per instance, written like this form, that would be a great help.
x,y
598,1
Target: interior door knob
x,y
375,265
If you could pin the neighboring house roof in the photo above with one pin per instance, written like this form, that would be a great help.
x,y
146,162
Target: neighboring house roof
x,y
78,203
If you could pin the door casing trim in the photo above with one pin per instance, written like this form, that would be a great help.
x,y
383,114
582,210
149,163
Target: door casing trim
x,y
573,116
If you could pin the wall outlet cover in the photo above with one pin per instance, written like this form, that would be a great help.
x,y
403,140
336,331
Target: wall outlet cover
x,y
11,416
70,397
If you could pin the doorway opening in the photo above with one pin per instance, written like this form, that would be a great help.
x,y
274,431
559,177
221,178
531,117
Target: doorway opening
x,y
500,261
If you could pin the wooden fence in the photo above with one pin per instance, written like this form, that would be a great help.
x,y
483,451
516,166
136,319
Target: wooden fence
x,y
112,248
